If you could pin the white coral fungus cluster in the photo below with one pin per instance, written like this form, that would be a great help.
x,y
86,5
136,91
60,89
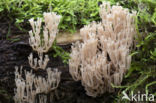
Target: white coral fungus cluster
x,y
28,88
42,41
103,56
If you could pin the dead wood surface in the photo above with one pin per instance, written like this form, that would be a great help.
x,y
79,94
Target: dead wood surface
x,y
15,54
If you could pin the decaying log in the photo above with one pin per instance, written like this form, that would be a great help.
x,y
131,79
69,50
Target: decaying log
x,y
15,54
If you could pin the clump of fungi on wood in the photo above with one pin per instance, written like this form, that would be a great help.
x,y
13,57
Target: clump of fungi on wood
x,y
101,59
103,56
28,88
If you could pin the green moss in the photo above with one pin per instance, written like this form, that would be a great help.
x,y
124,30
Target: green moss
x,y
142,74
75,13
